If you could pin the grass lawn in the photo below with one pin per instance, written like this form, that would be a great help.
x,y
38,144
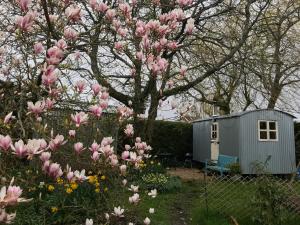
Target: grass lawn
x,y
185,206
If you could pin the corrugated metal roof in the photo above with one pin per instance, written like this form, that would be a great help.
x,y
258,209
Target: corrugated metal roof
x,y
238,114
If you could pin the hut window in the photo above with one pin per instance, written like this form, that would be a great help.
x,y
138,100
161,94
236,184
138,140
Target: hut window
x,y
214,131
267,130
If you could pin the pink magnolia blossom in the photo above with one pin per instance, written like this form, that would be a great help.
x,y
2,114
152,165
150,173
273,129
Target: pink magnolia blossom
x,y
54,170
153,193
172,45
45,156
72,133
183,3
125,9
80,86
134,188
49,76
56,142
94,147
110,14
54,55
190,26
96,110
89,222
36,108
11,195
25,23
127,147
8,118
140,55
103,104
119,46
78,147
95,156
125,155
102,7
61,44
118,211
147,221
135,198
123,169
104,95
80,175
38,48
5,217
19,149
73,13
151,210
5,142
24,4
49,103
138,140
70,34
93,4
113,160
35,147
106,141
182,71
96,88
80,118
124,182
122,32
129,130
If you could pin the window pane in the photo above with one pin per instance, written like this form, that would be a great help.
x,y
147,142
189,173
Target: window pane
x,y
273,135
272,125
214,135
263,135
263,125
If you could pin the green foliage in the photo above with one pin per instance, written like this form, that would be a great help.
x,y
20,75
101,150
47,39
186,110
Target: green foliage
x,y
234,168
160,182
268,202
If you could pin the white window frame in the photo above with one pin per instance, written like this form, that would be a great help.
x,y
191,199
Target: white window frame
x,y
267,130
214,131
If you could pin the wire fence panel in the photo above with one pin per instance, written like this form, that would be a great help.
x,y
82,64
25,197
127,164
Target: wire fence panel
x,y
237,195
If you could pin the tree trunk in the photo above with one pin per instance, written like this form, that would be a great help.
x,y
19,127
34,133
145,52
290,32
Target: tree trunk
x,y
274,97
152,114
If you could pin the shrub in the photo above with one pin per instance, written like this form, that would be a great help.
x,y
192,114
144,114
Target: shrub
x,y
160,181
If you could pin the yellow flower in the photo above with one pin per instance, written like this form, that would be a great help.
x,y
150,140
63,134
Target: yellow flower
x,y
69,190
92,179
59,180
97,190
74,185
54,209
105,189
152,162
51,188
103,177
97,184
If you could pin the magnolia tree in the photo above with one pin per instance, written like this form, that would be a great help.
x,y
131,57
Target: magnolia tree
x,y
141,51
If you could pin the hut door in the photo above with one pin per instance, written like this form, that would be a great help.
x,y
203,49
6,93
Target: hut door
x,y
214,148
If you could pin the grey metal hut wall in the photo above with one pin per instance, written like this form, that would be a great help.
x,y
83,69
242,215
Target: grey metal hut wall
x,y
201,140
282,151
229,136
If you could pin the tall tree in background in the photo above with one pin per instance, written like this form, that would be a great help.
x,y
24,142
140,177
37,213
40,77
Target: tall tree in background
x,y
139,50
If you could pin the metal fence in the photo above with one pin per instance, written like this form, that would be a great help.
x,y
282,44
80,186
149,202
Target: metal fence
x,y
237,196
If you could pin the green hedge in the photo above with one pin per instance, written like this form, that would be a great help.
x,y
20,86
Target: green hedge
x,y
173,137
168,137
